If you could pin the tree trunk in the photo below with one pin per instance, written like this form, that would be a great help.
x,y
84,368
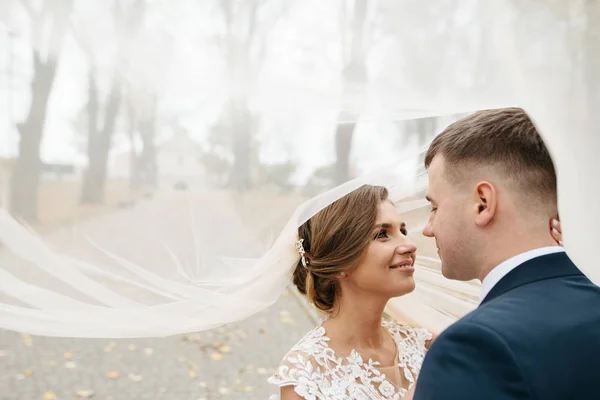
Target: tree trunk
x,y
26,171
241,126
355,76
147,166
99,144
134,179
343,145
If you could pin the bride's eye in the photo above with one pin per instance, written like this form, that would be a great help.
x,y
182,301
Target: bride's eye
x,y
382,234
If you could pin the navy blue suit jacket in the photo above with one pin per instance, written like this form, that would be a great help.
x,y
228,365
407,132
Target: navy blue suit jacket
x,y
535,336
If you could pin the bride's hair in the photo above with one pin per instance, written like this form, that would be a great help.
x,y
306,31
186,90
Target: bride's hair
x,y
334,241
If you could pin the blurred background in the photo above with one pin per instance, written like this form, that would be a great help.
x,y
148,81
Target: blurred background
x,y
122,120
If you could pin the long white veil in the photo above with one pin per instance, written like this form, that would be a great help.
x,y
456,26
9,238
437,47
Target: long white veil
x,y
439,59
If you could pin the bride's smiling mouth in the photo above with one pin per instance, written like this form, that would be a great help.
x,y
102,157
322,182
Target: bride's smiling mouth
x,y
403,266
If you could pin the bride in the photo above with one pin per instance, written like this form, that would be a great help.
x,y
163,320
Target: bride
x,y
353,259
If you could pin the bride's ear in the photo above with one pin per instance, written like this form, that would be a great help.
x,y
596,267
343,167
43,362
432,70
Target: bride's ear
x,y
485,203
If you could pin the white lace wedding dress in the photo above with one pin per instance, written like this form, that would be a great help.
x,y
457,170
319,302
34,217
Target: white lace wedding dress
x,y
317,373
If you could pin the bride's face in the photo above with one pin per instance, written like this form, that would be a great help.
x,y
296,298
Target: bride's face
x,y
387,267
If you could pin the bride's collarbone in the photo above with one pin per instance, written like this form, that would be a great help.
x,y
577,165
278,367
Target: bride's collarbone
x,y
386,354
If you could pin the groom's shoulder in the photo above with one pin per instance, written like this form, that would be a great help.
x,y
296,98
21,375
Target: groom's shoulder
x,y
530,311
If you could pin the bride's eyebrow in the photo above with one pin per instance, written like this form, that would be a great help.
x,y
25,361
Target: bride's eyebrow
x,y
385,225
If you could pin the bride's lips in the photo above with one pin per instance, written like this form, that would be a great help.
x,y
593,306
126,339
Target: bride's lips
x,y
404,266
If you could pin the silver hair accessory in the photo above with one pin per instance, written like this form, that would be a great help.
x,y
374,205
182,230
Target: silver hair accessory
x,y
301,251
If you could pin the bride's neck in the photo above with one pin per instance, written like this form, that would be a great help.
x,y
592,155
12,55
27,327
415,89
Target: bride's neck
x,y
357,323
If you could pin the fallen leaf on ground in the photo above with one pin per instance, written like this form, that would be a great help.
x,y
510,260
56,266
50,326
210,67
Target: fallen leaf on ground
x,y
135,378
28,372
193,366
223,390
287,320
224,348
245,389
70,365
194,338
26,340
113,374
192,374
216,356
49,396
148,351
68,355
131,347
85,394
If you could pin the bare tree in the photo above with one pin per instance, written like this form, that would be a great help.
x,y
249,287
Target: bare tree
x,y
245,51
144,169
99,138
48,29
354,80
101,130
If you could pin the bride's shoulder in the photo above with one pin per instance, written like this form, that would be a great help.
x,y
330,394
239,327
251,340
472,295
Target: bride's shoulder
x,y
302,358
402,332
312,343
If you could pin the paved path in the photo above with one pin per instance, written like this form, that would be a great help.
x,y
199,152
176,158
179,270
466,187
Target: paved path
x,y
231,362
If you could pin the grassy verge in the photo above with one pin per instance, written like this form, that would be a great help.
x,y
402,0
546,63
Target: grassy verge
x,y
59,202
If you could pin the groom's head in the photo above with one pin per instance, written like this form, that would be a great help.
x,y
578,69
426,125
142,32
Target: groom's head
x,y
492,187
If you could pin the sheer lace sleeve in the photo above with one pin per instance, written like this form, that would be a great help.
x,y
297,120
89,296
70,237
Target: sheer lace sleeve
x,y
300,367
300,370
412,347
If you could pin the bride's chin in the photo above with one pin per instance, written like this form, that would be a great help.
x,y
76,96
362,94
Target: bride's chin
x,y
407,287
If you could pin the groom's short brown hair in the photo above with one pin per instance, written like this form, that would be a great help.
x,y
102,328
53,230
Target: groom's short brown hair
x,y
505,139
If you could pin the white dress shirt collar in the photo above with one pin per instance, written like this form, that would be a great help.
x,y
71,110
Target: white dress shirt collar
x,y
496,274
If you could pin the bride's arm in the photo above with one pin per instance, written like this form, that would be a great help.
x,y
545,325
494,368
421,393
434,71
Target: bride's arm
x,y
410,394
288,393
430,341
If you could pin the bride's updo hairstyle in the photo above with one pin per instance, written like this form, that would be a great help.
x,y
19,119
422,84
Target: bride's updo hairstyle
x,y
334,241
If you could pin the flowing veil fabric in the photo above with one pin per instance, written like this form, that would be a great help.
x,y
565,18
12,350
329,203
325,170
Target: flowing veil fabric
x,y
544,57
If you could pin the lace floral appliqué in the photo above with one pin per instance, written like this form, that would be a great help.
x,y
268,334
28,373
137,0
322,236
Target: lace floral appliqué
x,y
317,373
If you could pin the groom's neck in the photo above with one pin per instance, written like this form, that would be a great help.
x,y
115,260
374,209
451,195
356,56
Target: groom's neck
x,y
521,239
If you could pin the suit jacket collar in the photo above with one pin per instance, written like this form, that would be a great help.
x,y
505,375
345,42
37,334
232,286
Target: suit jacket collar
x,y
537,269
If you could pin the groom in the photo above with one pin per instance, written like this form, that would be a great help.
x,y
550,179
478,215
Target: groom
x,y
536,333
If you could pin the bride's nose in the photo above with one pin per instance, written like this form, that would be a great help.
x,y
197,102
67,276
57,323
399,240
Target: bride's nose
x,y
406,246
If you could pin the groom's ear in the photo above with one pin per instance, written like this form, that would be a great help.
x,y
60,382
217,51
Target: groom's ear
x,y
485,202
